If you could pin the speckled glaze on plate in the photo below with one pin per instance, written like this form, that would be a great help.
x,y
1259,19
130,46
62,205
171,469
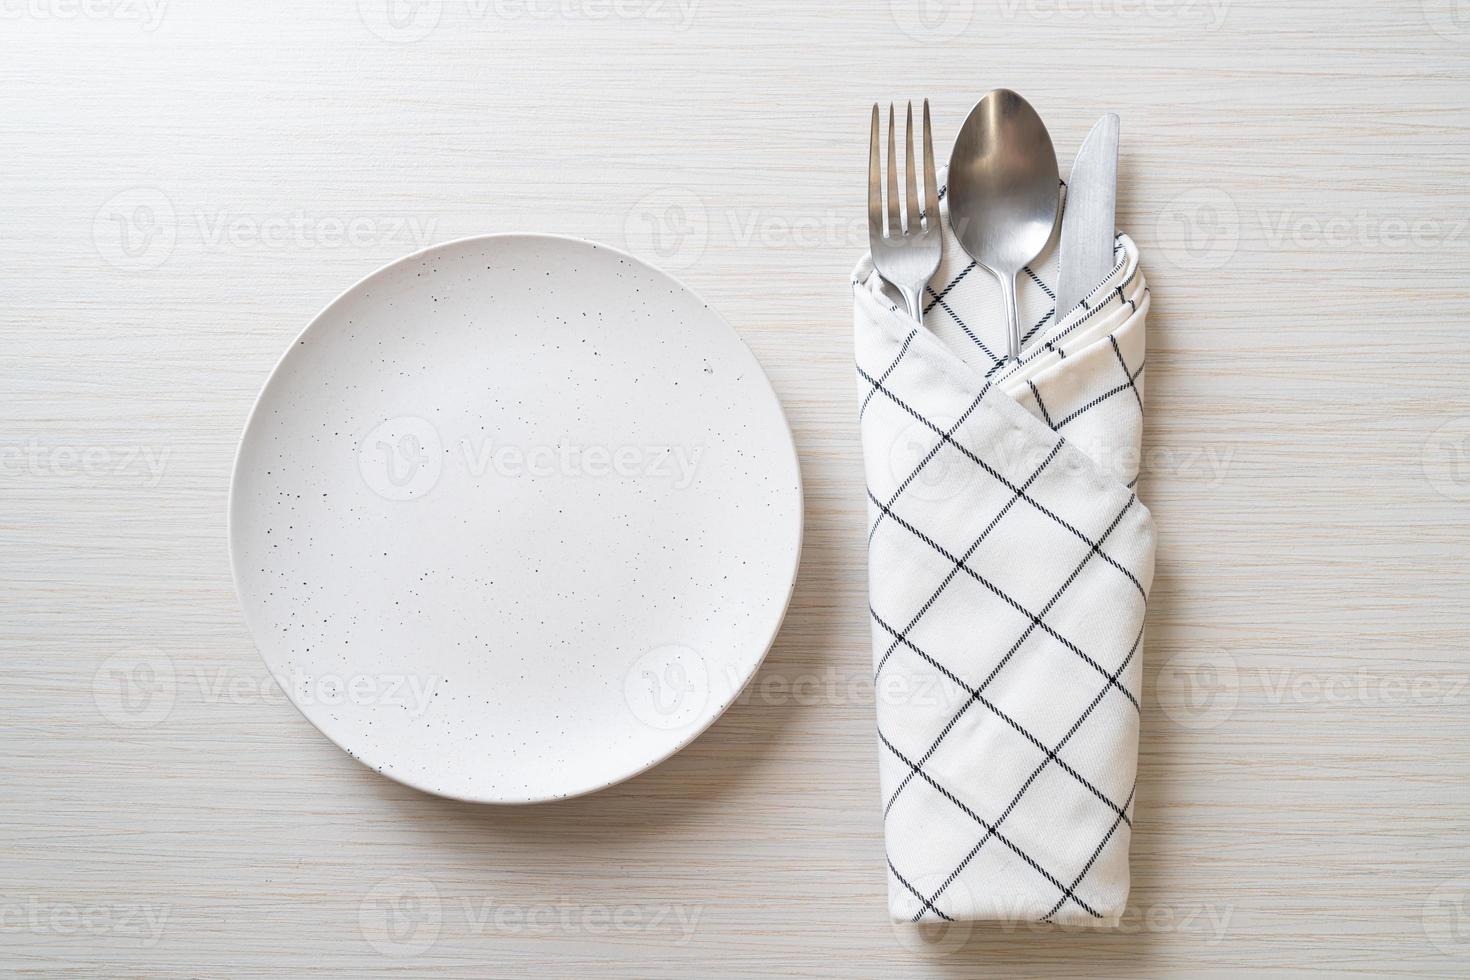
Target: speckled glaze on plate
x,y
515,518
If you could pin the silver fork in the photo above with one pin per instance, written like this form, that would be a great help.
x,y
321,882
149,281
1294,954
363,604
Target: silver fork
x,y
908,255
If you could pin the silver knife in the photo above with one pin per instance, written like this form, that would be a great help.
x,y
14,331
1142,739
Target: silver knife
x,y
1087,222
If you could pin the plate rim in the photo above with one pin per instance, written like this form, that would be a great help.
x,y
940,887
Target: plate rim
x,y
790,444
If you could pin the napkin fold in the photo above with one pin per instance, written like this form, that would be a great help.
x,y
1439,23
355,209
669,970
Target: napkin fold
x,y
1009,563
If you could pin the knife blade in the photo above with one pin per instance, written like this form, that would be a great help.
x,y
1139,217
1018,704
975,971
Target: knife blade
x,y
1086,249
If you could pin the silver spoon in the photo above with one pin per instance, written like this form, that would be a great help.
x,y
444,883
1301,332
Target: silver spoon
x,y
1003,192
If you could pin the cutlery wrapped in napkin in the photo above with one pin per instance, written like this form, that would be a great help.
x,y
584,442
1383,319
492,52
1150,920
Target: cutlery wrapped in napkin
x,y
1009,562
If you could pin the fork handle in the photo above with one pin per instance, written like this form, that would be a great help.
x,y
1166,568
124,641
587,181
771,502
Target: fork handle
x,y
913,297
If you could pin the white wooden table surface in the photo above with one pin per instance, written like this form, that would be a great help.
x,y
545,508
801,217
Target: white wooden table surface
x,y
183,183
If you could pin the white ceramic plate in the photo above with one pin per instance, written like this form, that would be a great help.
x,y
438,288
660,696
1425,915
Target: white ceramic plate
x,y
515,518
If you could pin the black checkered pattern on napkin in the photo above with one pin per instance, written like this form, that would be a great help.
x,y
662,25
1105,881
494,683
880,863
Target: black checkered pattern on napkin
x,y
1009,565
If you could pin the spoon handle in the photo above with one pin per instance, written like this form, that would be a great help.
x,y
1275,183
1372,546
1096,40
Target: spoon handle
x,y
1013,315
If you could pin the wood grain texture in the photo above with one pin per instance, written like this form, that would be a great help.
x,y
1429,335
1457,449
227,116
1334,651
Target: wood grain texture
x,y
185,184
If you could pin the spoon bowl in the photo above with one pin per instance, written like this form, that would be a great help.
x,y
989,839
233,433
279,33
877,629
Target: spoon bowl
x,y
1003,192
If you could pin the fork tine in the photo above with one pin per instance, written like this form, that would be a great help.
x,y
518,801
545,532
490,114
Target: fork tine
x,y
895,223
911,199
875,180
931,186
907,256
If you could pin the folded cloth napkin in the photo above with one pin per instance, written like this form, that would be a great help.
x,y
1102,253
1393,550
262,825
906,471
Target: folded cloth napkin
x,y
1009,563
